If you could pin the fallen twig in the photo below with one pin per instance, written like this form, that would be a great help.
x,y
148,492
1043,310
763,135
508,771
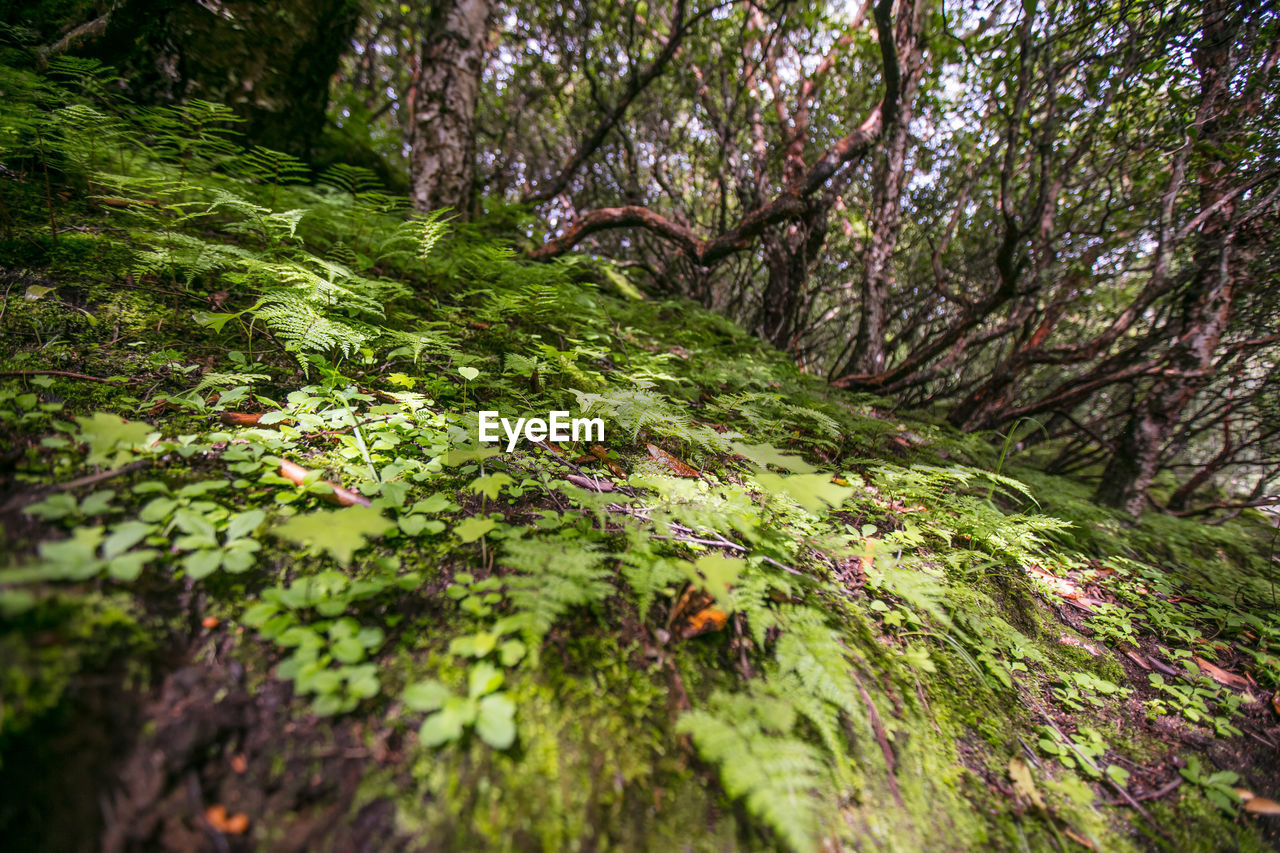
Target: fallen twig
x,y
91,479
1163,790
878,727
343,497
67,373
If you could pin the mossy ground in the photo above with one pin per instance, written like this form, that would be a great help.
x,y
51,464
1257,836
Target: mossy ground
x,y
916,652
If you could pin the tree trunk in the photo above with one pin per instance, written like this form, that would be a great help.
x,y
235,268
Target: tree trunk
x,y
442,105
870,346
271,62
788,253
1206,304
869,349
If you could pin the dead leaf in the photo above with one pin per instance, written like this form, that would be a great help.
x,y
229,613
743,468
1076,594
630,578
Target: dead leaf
x,y
343,497
1275,702
1262,805
1244,794
551,446
1023,783
677,467
704,622
603,455
1068,640
1078,838
695,614
236,824
1220,675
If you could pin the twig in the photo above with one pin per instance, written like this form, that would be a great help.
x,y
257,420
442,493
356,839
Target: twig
x,y
1163,790
722,542
1116,786
878,727
696,541
31,497
65,373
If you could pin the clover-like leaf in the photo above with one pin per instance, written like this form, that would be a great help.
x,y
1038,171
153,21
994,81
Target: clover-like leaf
x,y
473,528
496,720
428,695
483,679
340,532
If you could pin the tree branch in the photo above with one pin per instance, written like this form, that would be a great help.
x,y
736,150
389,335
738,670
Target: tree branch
x,y
786,205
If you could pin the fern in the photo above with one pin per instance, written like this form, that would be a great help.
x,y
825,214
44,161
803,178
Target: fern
x,y
305,329
777,777
190,257
553,576
223,380
267,166
812,650
433,228
198,133
643,411
646,572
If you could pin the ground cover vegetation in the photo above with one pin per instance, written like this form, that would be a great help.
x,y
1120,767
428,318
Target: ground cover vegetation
x,y
263,588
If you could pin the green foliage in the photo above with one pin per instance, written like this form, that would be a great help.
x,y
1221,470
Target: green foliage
x,y
553,575
340,532
491,712
778,777
864,593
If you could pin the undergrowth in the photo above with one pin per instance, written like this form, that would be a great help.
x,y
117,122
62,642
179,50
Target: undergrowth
x,y
868,630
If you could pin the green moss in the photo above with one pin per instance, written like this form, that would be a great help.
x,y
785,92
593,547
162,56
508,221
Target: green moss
x,y
596,767
46,647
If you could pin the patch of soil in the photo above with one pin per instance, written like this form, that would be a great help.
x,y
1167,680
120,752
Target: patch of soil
x,y
212,743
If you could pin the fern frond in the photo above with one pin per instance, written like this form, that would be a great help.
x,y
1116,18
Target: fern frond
x,y
553,576
777,777
304,329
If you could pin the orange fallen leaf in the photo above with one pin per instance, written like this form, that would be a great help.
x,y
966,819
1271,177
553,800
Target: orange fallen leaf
x,y
343,497
236,824
704,622
209,622
1262,805
695,613
1275,702
677,467
603,455
1220,675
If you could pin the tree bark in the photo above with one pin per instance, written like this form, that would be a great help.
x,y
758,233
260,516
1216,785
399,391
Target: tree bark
x,y
271,62
869,349
442,105
1206,305
788,252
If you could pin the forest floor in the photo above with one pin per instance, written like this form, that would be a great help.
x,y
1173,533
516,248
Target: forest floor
x,y
264,590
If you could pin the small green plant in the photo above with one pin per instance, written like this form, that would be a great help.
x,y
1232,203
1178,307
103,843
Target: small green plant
x,y
1217,786
486,709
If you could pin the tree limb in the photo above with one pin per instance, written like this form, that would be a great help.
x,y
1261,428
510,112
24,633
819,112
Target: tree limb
x,y
787,204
